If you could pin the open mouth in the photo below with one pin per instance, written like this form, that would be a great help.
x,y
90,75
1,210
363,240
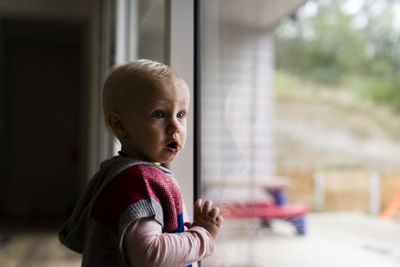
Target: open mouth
x,y
172,145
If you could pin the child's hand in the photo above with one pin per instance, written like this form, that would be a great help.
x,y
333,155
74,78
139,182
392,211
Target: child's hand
x,y
207,217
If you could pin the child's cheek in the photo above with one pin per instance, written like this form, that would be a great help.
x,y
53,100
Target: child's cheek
x,y
183,137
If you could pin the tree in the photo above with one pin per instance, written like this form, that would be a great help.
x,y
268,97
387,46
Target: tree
x,y
331,43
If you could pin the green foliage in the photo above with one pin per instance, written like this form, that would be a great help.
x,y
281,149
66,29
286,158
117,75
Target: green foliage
x,y
382,91
331,45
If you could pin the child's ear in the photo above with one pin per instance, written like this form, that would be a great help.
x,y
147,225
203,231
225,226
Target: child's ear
x,y
116,124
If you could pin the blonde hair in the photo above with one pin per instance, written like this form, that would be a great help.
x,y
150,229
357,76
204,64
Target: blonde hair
x,y
130,73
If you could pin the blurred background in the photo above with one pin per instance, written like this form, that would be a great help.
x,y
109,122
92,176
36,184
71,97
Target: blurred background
x,y
300,103
295,125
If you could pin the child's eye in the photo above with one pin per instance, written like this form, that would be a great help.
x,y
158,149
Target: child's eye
x,y
158,114
180,115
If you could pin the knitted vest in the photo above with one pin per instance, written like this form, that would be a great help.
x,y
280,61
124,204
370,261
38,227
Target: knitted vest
x,y
122,191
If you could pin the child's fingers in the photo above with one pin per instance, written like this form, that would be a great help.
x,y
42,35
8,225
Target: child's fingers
x,y
197,208
206,209
214,212
219,220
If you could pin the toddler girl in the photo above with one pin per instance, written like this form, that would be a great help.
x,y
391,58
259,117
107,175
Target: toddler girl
x,y
132,213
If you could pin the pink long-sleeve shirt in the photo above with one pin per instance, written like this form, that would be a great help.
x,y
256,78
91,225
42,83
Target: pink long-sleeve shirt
x,y
146,245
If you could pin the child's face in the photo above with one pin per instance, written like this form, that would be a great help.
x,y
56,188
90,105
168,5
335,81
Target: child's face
x,y
156,123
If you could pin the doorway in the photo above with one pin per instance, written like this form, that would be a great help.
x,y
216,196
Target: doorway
x,y
41,95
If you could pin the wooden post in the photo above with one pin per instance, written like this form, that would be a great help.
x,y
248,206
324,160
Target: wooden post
x,y
374,194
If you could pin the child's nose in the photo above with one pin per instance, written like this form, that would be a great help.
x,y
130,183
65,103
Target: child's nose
x,y
173,130
173,127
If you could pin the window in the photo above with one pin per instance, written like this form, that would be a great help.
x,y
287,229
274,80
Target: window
x,y
298,130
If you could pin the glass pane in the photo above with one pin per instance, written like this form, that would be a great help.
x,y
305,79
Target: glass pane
x,y
299,131
148,29
237,113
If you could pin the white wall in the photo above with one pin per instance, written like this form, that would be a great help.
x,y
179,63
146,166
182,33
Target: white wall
x,y
182,61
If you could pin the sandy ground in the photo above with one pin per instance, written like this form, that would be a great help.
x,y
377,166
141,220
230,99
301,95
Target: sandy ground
x,y
333,239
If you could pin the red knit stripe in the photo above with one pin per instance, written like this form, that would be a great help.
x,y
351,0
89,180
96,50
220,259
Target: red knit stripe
x,y
164,190
125,189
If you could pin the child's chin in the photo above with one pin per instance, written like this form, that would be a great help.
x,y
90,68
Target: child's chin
x,y
167,160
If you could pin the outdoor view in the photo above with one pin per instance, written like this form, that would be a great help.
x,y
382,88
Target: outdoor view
x,y
338,103
301,131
